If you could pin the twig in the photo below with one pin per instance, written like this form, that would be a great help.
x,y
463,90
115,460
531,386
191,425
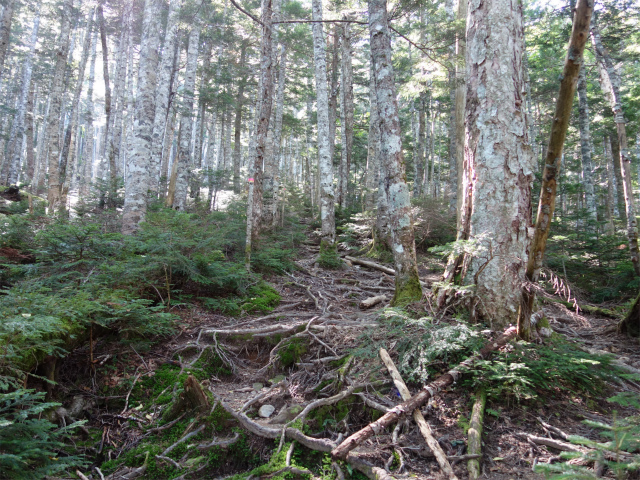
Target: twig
x,y
142,359
183,439
169,460
424,427
99,473
126,400
166,426
219,443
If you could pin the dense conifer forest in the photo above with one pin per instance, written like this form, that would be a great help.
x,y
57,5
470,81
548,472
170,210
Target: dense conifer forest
x,y
286,239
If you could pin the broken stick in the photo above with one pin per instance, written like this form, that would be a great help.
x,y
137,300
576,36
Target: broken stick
x,y
372,301
428,391
474,444
375,266
424,427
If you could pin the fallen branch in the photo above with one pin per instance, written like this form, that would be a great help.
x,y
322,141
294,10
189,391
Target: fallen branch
x,y
375,266
372,301
420,399
474,444
424,427
203,447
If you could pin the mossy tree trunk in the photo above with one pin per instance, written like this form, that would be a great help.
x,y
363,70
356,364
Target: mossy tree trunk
x,y
631,323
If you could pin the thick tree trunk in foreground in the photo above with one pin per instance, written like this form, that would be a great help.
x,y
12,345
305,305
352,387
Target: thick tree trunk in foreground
x,y
325,162
611,86
408,287
498,160
546,205
139,155
263,105
56,96
585,148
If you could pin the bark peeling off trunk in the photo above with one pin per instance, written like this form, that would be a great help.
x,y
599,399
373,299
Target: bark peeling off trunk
x,y
499,161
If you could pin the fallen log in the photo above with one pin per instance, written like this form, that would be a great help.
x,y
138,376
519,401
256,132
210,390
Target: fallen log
x,y
424,427
428,391
372,301
375,266
474,444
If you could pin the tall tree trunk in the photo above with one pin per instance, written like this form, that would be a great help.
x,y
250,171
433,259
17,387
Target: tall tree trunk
x,y
419,160
68,144
347,109
277,136
498,163
333,90
88,156
57,85
451,190
408,287
5,32
29,132
325,162
611,185
105,75
461,97
14,153
237,146
264,103
186,121
546,205
139,154
585,149
373,144
611,85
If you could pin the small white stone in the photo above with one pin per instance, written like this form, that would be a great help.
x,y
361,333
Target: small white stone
x,y
266,411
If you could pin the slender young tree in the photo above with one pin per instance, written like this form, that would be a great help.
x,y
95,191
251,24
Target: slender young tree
x,y
346,110
585,147
237,146
396,190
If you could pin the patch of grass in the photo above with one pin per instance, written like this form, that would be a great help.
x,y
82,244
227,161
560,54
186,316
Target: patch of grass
x,y
291,351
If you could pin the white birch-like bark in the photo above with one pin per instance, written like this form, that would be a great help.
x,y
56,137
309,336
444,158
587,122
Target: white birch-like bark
x,y
585,147
327,197
237,146
56,97
611,185
163,94
29,130
5,32
499,163
461,97
186,121
14,153
88,155
139,154
373,145
396,190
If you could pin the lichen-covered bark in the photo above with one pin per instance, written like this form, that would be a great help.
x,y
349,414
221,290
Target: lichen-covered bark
x,y
57,86
139,154
498,160
186,121
263,106
327,197
611,85
585,147
393,168
163,94
373,146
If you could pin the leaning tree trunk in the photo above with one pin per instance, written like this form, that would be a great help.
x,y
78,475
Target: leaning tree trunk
x,y
186,122
264,103
408,287
14,153
56,95
498,161
585,149
139,154
611,86
547,203
325,162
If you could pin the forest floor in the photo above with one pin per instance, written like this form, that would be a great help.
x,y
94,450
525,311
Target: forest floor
x,y
317,343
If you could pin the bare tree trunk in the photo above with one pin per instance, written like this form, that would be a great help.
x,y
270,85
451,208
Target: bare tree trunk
x,y
5,32
585,149
139,154
419,160
461,96
277,137
88,157
546,205
499,163
14,153
29,131
263,105
163,95
237,146
57,85
610,81
186,121
325,162
347,110
408,287
105,75
333,90
373,146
